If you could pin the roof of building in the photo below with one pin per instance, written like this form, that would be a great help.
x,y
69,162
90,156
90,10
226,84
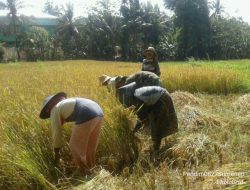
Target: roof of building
x,y
39,21
48,22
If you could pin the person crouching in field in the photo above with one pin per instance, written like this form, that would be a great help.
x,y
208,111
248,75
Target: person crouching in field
x,y
142,78
88,118
154,105
150,63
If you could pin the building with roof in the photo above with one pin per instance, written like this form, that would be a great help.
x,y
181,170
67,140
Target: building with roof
x,y
6,36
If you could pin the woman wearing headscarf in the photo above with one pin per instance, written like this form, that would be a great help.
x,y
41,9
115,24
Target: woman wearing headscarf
x,y
150,63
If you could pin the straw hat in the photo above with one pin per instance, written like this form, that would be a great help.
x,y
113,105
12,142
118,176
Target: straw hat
x,y
151,50
48,100
104,79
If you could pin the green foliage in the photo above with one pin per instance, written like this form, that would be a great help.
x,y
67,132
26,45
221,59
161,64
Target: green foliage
x,y
102,32
168,43
192,20
2,52
142,26
51,9
12,6
67,35
35,43
230,38
196,29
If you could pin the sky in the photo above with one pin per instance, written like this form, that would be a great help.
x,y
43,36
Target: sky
x,y
236,8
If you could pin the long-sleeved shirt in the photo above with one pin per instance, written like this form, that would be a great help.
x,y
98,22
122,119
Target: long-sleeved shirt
x,y
71,109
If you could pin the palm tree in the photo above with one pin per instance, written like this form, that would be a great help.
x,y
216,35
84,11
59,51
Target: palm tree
x,y
192,21
13,6
66,21
217,8
67,31
132,21
103,31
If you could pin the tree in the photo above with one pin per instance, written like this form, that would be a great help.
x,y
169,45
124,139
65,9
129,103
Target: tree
x,y
51,9
13,6
66,30
192,21
216,7
158,31
230,38
35,43
131,29
2,52
103,31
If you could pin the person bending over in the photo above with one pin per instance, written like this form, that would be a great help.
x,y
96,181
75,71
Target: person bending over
x,y
154,105
88,118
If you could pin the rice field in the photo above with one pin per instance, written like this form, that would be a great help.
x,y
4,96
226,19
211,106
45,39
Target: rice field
x,y
212,101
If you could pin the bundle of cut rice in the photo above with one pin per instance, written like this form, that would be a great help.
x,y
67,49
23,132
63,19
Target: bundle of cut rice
x,y
196,149
104,180
191,117
181,99
230,177
242,105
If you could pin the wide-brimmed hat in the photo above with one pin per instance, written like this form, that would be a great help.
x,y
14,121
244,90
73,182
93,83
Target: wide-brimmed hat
x,y
150,49
104,79
48,100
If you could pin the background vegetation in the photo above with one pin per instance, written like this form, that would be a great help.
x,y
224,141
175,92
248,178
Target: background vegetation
x,y
195,29
213,128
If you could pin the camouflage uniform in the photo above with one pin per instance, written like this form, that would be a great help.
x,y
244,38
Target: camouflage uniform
x,y
154,104
159,109
144,78
133,82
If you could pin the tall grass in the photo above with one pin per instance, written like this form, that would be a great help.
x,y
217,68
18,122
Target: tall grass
x,y
26,154
204,79
26,159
